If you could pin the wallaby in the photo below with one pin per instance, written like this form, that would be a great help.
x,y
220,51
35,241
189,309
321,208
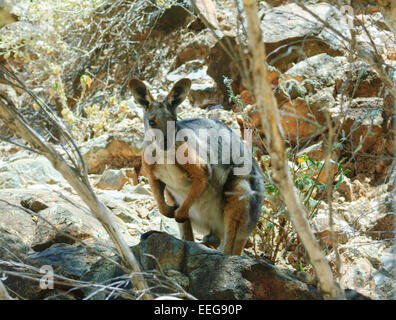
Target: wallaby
x,y
204,191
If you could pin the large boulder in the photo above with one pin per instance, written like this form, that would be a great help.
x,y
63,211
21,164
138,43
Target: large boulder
x,y
27,171
120,148
286,43
302,32
209,274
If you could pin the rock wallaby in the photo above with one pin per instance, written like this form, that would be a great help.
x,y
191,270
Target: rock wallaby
x,y
206,173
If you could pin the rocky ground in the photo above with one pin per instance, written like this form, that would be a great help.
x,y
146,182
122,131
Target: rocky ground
x,y
39,209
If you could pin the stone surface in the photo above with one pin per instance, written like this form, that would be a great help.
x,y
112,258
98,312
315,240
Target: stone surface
x,y
208,274
112,180
120,149
303,31
203,92
322,68
16,222
23,172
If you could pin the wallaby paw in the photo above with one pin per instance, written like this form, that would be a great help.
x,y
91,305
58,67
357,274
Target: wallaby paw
x,y
169,211
181,216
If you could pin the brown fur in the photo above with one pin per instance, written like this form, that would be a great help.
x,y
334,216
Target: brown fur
x,y
235,208
198,173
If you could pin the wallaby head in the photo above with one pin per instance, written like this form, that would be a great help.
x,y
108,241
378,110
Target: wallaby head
x,y
158,113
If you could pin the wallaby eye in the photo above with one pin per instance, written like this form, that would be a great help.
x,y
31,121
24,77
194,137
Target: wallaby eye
x,y
151,123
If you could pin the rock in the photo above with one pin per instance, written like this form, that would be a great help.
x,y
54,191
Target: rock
x,y
301,30
62,210
172,18
191,51
366,212
29,171
207,10
365,267
346,188
221,65
120,149
33,204
12,246
103,272
324,77
363,82
203,92
196,47
297,121
140,190
112,180
74,221
356,276
126,212
364,119
9,180
170,226
211,274
322,70
305,92
383,228
14,249
132,175
17,222
276,3
321,227
68,260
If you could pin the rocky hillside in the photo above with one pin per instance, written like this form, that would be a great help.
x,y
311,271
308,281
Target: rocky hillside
x,y
78,55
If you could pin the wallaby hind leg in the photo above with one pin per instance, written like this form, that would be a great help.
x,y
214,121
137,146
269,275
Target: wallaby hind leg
x,y
236,216
185,228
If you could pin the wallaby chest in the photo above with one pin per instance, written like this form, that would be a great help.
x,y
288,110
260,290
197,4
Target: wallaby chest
x,y
172,175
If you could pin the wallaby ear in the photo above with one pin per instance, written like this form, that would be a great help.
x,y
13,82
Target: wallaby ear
x,y
140,92
179,92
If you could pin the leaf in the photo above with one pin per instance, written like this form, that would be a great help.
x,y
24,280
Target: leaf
x,y
339,181
358,148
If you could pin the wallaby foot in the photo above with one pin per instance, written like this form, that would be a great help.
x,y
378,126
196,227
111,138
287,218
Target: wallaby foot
x,y
211,241
181,215
167,211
